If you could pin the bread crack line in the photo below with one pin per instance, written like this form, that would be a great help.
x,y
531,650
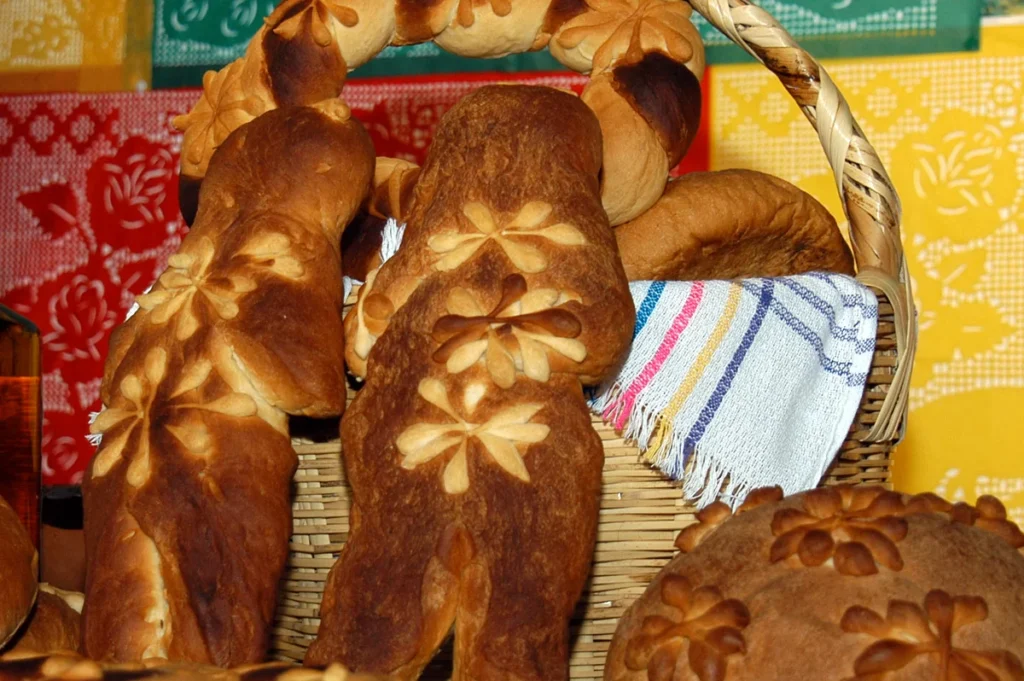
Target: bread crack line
x,y
500,436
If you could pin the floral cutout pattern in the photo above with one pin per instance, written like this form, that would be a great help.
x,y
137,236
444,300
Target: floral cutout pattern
x,y
137,397
516,334
949,130
187,277
856,528
704,618
455,247
909,631
421,443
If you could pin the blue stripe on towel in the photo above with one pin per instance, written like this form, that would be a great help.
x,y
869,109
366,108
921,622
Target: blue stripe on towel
x,y
849,299
650,301
827,363
715,401
842,333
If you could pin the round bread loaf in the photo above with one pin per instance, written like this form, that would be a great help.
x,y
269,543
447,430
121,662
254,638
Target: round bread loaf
x,y
55,623
19,565
836,584
732,224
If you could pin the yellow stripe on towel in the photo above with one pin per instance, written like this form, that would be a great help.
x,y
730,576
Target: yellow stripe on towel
x,y
663,427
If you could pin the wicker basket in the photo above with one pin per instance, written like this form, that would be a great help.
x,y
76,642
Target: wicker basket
x,y
641,511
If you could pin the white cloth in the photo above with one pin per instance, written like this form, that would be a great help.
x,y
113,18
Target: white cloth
x,y
743,384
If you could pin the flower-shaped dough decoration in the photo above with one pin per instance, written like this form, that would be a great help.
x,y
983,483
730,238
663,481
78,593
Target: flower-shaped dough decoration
x,y
909,631
188,275
454,248
188,280
710,517
135,401
224,106
516,334
421,443
989,514
706,620
856,528
613,29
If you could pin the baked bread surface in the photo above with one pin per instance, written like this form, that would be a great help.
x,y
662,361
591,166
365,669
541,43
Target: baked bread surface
x,y
55,622
187,501
833,584
475,471
732,224
19,565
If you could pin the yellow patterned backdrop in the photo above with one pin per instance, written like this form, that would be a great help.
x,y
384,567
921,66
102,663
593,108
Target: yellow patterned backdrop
x,y
950,129
73,45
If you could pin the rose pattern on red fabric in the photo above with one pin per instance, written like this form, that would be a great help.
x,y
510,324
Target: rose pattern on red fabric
x,y
135,190
88,198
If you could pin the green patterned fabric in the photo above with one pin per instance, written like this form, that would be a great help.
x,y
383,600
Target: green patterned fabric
x,y
1002,8
193,36
864,28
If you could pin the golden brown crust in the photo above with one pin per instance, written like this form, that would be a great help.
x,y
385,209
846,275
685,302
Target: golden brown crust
x,y
474,469
732,224
303,63
667,95
53,625
394,180
635,166
293,60
187,512
19,566
935,587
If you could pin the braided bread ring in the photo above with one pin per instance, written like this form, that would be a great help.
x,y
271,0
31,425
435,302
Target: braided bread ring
x,y
645,59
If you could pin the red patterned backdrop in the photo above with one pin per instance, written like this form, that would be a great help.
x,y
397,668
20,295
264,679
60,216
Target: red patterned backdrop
x,y
89,204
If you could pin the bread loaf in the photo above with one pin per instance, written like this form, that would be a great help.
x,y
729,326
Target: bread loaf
x,y
19,566
645,56
833,584
393,183
732,224
55,622
187,513
474,469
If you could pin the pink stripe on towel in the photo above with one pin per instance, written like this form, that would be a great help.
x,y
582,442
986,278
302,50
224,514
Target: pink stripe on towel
x,y
624,405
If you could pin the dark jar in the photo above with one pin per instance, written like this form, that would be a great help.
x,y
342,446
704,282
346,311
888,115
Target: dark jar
x,y
21,417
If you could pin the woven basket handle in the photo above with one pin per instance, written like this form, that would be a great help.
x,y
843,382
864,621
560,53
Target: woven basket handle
x,y
869,198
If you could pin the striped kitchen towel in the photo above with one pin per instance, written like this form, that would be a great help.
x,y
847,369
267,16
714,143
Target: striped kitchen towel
x,y
731,386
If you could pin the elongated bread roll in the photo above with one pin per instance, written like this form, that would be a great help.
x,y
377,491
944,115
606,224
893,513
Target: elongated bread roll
x,y
474,468
187,512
